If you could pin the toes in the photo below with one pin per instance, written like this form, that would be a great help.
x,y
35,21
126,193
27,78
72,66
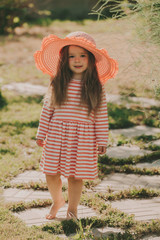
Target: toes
x,y
49,217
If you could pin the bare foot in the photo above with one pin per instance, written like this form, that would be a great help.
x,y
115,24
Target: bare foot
x,y
71,215
54,209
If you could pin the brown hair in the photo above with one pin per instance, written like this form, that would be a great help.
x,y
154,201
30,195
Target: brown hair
x,y
91,89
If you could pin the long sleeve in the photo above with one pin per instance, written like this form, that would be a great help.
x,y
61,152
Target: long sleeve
x,y
44,121
101,122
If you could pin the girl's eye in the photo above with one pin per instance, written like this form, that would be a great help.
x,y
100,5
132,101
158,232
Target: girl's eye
x,y
71,56
83,55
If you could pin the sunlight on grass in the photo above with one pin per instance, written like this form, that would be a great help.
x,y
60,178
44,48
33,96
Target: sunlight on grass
x,y
19,118
19,122
27,73
13,228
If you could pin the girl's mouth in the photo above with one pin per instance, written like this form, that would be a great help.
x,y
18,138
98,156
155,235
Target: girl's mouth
x,y
77,66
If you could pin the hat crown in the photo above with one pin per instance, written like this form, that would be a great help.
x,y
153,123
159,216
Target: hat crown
x,y
80,34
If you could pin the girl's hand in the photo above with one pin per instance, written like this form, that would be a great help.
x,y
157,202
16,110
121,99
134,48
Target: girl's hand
x,y
40,142
102,149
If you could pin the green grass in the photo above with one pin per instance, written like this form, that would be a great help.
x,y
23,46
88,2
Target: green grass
x,y
3,101
13,228
18,150
122,117
19,116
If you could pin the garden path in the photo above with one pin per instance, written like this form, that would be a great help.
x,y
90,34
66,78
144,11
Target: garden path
x,y
142,209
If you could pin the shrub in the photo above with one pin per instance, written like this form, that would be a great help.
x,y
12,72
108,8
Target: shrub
x,y
148,11
14,13
3,101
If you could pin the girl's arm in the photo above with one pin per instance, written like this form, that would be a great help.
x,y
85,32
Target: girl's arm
x,y
101,124
44,121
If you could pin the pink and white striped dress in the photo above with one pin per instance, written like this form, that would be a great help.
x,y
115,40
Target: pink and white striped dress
x,y
72,137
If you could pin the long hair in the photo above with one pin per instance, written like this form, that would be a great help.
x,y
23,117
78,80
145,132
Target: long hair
x,y
91,89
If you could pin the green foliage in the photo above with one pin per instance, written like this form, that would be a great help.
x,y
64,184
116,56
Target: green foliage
x,y
157,90
13,228
130,160
128,169
4,151
54,228
3,101
120,236
21,206
148,12
130,194
110,8
146,138
120,117
26,99
70,226
14,13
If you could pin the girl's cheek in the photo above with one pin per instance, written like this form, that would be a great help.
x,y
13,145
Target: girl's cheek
x,y
85,60
71,60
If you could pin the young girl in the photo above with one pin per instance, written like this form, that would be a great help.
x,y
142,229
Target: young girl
x,y
73,127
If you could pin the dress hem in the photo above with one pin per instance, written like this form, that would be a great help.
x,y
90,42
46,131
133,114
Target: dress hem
x,y
68,176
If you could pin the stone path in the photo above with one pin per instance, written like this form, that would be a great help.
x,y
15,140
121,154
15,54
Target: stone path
x,y
121,181
32,89
151,238
143,209
136,131
145,102
36,216
25,88
15,195
154,164
125,151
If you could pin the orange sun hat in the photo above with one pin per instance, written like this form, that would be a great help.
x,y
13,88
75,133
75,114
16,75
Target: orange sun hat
x,y
47,58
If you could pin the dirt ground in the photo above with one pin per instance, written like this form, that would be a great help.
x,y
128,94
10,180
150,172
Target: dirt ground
x,y
138,60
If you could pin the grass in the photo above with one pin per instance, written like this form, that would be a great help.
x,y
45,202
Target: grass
x,y
19,153
130,160
122,117
12,228
18,130
141,69
19,116
133,193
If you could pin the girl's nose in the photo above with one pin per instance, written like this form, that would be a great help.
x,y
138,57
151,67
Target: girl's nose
x,y
77,59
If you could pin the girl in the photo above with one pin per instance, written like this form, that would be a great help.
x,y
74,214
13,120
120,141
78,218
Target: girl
x,y
73,127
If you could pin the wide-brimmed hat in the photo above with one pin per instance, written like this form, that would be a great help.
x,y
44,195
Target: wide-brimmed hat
x,y
47,58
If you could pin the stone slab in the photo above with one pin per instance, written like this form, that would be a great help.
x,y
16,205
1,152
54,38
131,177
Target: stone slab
x,y
16,195
157,142
36,216
144,210
25,88
121,181
99,233
106,231
151,238
32,176
145,102
32,89
154,164
125,151
135,131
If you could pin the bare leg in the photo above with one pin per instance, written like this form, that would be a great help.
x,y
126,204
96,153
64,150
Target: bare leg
x,y
54,184
74,194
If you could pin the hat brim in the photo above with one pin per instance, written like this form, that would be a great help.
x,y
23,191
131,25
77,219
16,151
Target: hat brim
x,y
47,58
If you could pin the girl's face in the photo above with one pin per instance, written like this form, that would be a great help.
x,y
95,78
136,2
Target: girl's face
x,y
78,61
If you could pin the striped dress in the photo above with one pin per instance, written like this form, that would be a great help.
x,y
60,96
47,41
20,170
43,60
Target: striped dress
x,y
72,137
